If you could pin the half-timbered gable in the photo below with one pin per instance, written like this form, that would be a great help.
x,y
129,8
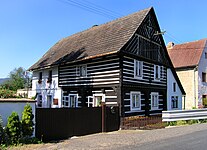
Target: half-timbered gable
x,y
122,63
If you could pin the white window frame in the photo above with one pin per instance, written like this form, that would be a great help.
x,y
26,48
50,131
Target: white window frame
x,y
80,69
139,100
138,69
175,98
67,99
49,105
39,101
76,101
154,101
95,102
157,72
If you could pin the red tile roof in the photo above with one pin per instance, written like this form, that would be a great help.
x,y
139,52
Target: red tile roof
x,y
187,54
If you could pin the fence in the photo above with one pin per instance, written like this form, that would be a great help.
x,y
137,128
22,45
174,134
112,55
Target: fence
x,y
184,115
62,123
142,122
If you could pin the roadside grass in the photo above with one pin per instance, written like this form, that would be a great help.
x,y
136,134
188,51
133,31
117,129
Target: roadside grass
x,y
185,122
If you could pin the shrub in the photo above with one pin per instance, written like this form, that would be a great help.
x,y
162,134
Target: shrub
x,y
27,121
13,128
1,130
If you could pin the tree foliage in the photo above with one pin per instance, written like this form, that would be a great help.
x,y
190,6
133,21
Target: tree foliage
x,y
17,80
27,121
13,128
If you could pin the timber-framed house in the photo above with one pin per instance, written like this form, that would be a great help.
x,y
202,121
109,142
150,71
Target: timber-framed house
x,y
122,63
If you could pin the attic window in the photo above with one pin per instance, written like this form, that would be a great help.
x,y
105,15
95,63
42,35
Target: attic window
x,y
81,71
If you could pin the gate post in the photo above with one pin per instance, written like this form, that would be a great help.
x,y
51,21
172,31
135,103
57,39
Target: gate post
x,y
103,113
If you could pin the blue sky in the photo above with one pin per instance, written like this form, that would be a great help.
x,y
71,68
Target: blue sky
x,y
28,28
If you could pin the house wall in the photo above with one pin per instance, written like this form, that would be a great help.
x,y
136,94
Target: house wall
x,y
202,86
7,106
189,82
170,91
102,78
45,88
146,85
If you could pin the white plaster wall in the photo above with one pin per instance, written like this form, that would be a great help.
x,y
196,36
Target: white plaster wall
x,y
202,86
46,88
6,108
170,92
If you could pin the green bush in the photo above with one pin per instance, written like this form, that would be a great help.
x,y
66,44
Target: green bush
x,y
1,130
13,128
27,121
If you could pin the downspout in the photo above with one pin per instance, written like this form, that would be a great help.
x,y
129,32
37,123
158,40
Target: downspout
x,y
195,69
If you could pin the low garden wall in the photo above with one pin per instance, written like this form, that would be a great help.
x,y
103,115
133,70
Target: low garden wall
x,y
7,106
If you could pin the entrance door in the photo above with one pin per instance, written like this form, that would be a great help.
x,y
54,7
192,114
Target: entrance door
x,y
49,101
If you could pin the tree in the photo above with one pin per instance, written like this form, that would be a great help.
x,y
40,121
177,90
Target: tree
x,y
27,121
17,79
13,128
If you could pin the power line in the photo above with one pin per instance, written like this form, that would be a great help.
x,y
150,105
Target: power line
x,y
173,37
91,8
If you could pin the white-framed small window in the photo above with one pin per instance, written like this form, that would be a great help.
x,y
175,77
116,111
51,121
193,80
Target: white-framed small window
x,y
135,100
138,69
97,99
49,101
81,71
174,102
39,100
157,72
70,101
154,100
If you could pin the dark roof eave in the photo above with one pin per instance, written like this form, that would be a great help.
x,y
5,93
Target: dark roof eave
x,y
86,58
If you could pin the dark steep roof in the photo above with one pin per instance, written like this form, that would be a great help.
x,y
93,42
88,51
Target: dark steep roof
x,y
99,40
187,54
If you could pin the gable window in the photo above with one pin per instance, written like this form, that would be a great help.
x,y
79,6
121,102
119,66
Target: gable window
x,y
154,100
203,77
174,102
70,101
81,71
157,72
138,69
135,100
174,87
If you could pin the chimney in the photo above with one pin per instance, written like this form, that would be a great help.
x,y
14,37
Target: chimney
x,y
170,45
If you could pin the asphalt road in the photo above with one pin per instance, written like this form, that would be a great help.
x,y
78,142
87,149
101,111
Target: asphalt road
x,y
175,138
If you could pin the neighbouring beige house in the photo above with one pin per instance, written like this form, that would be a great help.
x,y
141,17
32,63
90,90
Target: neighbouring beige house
x,y
190,62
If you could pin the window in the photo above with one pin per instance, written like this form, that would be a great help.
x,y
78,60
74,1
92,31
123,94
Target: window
x,y
81,71
138,69
205,55
203,77
157,72
174,102
40,78
70,101
135,98
49,101
174,87
154,100
39,100
204,100
49,76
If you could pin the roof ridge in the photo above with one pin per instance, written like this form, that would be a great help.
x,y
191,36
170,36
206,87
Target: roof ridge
x,y
117,19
